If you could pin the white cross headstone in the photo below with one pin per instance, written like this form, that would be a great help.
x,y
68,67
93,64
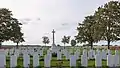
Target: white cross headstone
x,y
6,52
84,52
116,60
35,60
26,60
17,52
109,52
59,55
116,52
72,61
31,52
41,52
13,61
91,54
11,51
49,54
98,51
64,52
98,60
67,56
104,54
77,54
110,60
84,59
47,61
54,50
2,58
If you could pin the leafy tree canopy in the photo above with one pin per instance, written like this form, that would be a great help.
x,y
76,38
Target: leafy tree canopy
x,y
9,27
65,39
73,42
108,18
46,40
87,31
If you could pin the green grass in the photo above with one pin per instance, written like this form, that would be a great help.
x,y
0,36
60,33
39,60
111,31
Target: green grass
x,y
54,62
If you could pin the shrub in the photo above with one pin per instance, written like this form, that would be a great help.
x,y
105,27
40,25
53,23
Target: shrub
x,y
54,54
38,67
18,66
41,59
59,64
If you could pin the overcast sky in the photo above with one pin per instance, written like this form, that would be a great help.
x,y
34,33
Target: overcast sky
x,y
39,17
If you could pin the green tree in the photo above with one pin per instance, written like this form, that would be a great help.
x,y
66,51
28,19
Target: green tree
x,y
73,42
58,44
65,40
45,40
108,19
16,34
6,25
87,31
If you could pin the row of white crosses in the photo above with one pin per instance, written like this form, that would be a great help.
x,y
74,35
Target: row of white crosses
x,y
2,58
112,60
14,54
84,59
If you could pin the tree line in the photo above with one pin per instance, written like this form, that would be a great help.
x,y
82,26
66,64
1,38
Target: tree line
x,y
10,27
65,40
104,24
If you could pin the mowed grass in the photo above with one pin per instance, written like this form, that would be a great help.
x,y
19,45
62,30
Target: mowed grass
x,y
57,63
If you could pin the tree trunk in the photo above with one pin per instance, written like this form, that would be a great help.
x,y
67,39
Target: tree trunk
x,y
64,45
45,44
91,44
0,44
108,44
17,45
108,35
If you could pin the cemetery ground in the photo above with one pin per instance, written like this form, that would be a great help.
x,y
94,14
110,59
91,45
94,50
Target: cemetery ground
x,y
64,63
54,63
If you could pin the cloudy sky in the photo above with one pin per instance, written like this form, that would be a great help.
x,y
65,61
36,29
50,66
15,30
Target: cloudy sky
x,y
39,17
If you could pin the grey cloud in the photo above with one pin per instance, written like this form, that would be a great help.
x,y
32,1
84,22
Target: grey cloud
x,y
26,19
62,15
67,26
38,19
29,20
23,22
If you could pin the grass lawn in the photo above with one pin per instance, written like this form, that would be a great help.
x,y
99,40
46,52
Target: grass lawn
x,y
56,63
